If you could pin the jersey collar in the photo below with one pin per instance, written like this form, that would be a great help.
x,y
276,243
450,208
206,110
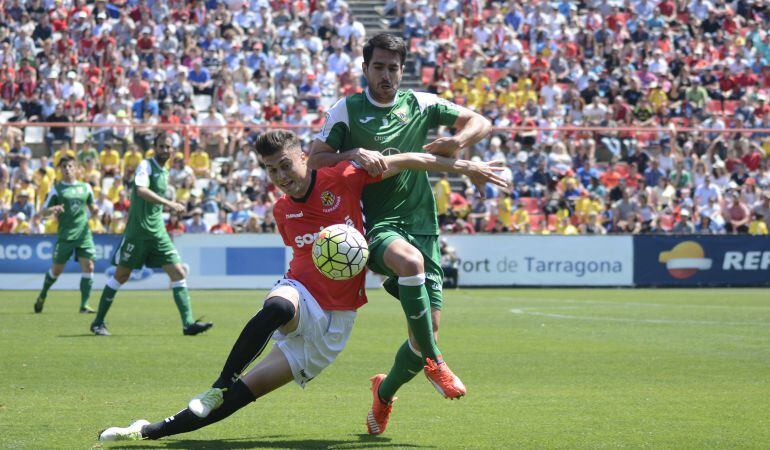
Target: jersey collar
x,y
378,104
304,198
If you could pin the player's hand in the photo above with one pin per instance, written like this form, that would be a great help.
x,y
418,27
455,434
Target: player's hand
x,y
372,161
58,209
176,207
487,172
443,146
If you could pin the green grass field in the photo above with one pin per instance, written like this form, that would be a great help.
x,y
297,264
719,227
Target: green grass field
x,y
544,369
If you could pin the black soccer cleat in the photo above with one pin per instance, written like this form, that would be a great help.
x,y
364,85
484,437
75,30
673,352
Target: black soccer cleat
x,y
100,330
196,328
39,305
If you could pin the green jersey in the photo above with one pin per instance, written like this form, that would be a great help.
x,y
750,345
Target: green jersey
x,y
145,219
73,221
358,121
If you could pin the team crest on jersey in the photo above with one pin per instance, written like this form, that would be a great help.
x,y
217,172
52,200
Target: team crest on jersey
x,y
401,116
330,202
327,198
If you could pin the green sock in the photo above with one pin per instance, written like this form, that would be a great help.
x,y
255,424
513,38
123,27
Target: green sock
x,y
405,367
182,300
49,281
415,303
85,290
108,294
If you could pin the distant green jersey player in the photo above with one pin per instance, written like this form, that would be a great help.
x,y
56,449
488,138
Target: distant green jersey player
x,y
400,212
70,201
147,243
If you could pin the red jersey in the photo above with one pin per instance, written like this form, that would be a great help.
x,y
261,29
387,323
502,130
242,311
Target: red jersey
x,y
334,197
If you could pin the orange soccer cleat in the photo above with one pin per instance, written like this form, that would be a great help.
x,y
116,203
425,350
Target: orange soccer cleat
x,y
442,378
378,416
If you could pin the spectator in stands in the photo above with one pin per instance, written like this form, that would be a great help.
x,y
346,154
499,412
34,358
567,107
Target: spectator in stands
x,y
221,227
737,215
196,224
58,133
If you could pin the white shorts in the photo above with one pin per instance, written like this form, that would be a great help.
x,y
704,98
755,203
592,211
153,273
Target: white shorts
x,y
320,335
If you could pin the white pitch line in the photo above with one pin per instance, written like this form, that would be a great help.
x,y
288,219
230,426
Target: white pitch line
x,y
625,319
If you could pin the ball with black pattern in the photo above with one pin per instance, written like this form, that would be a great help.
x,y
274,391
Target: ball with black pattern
x,y
340,252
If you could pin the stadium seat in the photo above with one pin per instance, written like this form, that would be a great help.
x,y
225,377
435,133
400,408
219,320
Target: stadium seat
x,y
34,135
81,134
531,204
534,221
5,115
730,106
552,220
201,102
715,106
427,75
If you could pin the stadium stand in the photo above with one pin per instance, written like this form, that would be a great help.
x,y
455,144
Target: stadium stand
x,y
137,69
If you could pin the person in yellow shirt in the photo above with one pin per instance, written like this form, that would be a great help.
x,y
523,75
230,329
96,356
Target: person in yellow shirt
x,y
113,193
564,226
131,159
6,197
520,220
481,81
442,192
43,183
586,205
89,173
109,160
657,97
22,225
25,188
96,225
117,224
51,224
504,212
461,85
523,96
200,163
757,227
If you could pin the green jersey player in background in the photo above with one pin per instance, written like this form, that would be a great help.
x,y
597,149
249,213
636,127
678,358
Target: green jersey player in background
x,y
400,212
147,243
69,200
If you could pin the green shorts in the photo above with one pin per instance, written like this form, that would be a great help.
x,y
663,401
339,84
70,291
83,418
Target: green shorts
x,y
81,248
135,253
381,237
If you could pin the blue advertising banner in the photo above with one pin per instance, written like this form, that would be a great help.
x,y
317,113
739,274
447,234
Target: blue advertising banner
x,y
701,260
32,254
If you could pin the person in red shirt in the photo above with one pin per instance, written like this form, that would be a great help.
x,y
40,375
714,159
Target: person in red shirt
x,y
747,78
174,226
310,315
222,227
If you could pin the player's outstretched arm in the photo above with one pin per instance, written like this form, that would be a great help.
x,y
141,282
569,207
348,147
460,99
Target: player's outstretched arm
x,y
479,172
146,194
471,128
323,155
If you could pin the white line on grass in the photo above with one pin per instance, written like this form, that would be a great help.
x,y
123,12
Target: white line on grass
x,y
625,319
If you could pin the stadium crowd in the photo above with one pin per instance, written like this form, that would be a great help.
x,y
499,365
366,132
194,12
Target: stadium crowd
x,y
603,63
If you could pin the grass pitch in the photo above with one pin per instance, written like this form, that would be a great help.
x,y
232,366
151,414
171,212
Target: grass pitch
x,y
544,369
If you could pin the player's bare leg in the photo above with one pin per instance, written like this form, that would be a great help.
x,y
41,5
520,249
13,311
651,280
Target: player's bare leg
x,y
177,275
86,283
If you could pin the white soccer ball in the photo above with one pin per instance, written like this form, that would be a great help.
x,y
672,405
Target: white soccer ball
x,y
340,252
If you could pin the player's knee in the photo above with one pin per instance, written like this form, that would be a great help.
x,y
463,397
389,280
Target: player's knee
x,y
410,263
121,277
280,309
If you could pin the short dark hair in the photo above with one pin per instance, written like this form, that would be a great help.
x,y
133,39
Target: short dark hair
x,y
385,41
65,159
273,141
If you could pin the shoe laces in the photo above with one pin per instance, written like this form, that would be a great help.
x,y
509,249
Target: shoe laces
x,y
212,397
441,371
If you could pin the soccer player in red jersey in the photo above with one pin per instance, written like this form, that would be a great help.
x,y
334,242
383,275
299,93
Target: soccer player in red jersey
x,y
310,315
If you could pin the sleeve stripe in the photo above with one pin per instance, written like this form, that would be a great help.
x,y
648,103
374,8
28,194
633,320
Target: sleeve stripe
x,y
336,114
51,195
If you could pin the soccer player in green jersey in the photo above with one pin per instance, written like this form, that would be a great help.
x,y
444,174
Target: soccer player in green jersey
x,y
401,222
146,241
69,200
